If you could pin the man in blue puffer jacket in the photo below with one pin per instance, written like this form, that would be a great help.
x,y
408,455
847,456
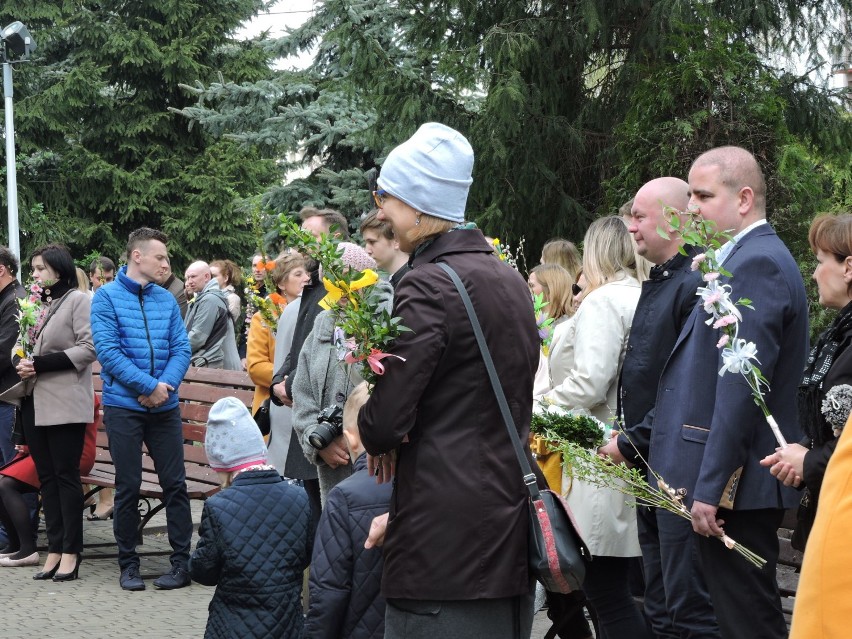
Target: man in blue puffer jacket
x,y
144,354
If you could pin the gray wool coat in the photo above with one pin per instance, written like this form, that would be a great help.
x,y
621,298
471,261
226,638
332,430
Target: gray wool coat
x,y
323,379
67,396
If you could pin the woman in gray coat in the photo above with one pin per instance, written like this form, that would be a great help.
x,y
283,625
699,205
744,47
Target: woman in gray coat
x,y
323,381
56,413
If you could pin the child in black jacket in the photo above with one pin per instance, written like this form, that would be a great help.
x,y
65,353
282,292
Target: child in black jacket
x,y
345,581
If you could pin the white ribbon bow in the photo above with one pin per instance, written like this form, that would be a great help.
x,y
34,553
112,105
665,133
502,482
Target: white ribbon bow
x,y
736,357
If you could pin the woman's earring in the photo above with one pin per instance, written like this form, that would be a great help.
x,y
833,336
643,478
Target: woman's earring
x,y
417,221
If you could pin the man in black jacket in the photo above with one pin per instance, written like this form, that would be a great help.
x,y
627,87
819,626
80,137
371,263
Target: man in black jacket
x,y
319,222
676,600
10,291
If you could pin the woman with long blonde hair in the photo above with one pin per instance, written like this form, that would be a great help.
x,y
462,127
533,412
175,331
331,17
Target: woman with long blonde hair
x,y
585,362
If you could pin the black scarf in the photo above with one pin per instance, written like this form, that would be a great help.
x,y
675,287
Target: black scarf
x,y
819,362
54,291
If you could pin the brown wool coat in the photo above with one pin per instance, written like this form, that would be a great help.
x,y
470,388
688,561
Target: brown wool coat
x,y
458,516
66,397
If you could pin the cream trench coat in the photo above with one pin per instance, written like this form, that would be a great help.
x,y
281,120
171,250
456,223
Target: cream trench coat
x,y
66,397
585,362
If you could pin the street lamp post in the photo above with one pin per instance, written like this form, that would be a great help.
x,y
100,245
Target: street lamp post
x,y
16,46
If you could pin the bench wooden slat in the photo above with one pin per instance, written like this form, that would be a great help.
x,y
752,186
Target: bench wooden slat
x,y
789,556
788,582
219,377
209,394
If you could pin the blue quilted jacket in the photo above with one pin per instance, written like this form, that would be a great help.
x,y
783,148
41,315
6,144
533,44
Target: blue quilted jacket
x,y
140,341
346,578
254,543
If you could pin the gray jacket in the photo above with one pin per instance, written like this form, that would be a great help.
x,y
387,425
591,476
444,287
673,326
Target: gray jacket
x,y
323,379
210,330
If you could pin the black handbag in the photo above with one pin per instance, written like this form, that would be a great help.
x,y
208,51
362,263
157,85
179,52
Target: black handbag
x,y
261,417
557,553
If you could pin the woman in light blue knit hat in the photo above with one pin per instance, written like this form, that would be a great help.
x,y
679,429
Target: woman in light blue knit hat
x,y
455,548
256,535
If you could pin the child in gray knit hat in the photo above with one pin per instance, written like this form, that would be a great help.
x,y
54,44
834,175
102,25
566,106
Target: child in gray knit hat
x,y
255,537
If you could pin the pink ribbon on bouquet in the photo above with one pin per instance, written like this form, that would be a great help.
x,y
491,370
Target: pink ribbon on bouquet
x,y
374,360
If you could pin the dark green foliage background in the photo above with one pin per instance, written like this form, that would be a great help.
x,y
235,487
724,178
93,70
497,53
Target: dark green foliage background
x,y
98,151
150,112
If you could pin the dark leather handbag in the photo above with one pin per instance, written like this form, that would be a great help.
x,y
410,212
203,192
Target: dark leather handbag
x,y
261,417
557,554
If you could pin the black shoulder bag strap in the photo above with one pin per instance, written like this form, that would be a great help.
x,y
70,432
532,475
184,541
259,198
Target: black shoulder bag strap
x,y
529,476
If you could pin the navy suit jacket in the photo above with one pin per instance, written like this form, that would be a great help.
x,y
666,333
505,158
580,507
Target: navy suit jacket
x,y
709,435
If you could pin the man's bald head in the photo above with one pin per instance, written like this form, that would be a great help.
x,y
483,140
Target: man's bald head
x,y
647,215
197,275
665,191
738,169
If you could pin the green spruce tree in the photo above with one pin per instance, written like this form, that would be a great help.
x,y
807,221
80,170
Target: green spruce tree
x,y
100,152
569,106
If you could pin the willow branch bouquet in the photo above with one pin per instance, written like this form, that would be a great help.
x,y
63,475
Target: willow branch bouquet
x,y
365,329
587,465
271,305
738,355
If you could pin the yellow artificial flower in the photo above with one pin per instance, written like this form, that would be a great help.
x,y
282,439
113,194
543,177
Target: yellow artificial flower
x,y
342,289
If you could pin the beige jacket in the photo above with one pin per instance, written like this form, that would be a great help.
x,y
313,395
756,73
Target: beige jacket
x,y
66,397
585,361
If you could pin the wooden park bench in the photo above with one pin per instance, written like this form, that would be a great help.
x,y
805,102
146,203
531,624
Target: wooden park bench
x,y
789,567
200,389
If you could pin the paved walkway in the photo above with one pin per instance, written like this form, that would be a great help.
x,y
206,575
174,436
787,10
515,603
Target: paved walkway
x,y
95,607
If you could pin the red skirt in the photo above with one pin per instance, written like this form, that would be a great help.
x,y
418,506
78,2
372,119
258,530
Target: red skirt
x,y
22,467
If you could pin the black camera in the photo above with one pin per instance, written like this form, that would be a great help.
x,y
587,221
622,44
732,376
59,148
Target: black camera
x,y
329,427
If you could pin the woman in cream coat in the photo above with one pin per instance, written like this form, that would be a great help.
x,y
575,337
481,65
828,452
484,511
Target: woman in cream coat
x,y
585,361
56,413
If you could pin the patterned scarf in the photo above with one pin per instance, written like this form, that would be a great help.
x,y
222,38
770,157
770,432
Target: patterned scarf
x,y
819,362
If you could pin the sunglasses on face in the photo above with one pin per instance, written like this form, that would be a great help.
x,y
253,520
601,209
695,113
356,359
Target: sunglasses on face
x,y
575,289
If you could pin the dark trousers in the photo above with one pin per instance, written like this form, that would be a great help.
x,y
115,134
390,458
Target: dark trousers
x,y
607,585
7,423
677,602
56,452
746,598
163,435
311,487
16,515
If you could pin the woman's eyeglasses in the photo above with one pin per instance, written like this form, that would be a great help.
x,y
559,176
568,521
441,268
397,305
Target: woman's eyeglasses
x,y
379,197
575,289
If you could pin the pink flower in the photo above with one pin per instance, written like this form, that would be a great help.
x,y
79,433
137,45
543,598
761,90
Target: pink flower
x,y
726,320
723,341
35,288
711,276
697,260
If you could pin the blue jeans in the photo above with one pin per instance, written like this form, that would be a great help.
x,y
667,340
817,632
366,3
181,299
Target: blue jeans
x,y
163,435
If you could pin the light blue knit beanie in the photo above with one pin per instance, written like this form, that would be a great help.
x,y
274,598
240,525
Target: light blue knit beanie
x,y
232,440
431,172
